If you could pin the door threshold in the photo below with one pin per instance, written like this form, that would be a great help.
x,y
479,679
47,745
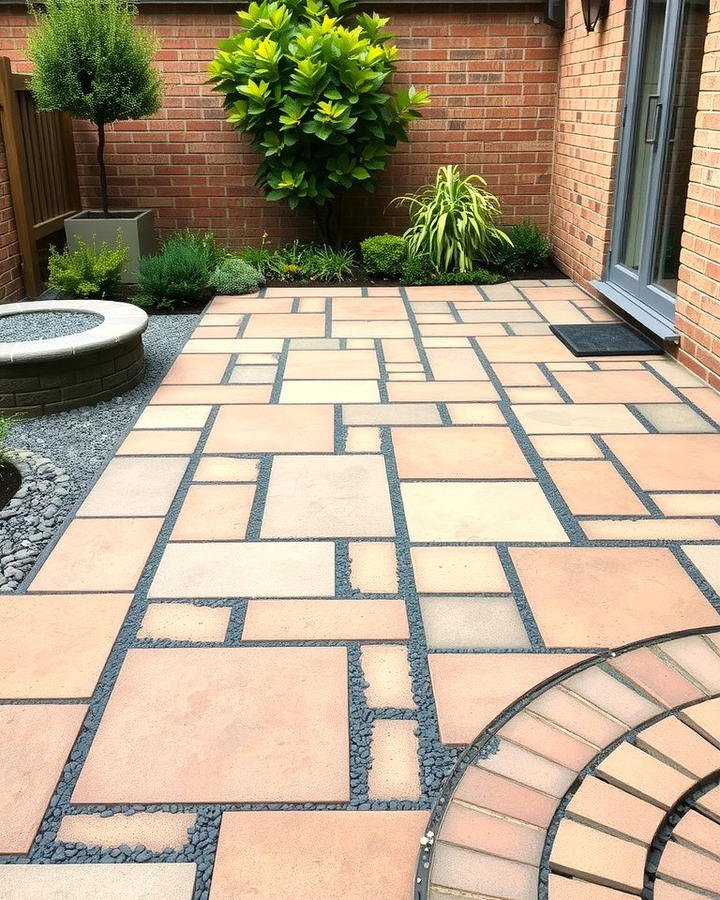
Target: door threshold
x,y
650,320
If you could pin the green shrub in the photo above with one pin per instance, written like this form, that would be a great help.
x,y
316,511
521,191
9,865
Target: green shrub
x,y
174,277
384,254
418,269
257,257
306,82
474,276
454,221
204,243
235,276
91,61
87,271
527,250
325,264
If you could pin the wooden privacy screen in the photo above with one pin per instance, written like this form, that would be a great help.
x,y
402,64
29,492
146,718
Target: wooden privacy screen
x,y
41,166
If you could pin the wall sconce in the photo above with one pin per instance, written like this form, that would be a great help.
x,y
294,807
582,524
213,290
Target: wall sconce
x,y
593,11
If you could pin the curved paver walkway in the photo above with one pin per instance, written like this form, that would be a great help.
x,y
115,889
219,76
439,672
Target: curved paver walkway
x,y
343,536
603,782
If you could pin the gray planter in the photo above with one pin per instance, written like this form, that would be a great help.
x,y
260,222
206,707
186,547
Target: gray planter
x,y
136,227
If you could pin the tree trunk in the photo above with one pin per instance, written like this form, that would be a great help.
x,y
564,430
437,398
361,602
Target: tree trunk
x,y
101,165
328,218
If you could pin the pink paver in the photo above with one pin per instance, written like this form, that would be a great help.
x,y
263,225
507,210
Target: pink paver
x,y
211,725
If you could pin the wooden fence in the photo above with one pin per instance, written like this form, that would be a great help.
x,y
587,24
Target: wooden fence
x,y
41,166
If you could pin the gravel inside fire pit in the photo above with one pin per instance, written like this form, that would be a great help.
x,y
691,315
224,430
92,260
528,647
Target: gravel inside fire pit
x,y
42,326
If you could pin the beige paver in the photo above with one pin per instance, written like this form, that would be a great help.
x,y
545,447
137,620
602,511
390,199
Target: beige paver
x,y
338,391
688,504
328,496
233,569
600,803
594,488
455,570
111,881
467,623
98,555
185,622
326,364
464,826
157,831
456,364
226,468
589,581
253,374
394,773
214,512
363,439
470,690
707,559
645,776
306,620
373,567
509,798
391,414
35,743
670,462
155,417
674,417
171,394
475,414
273,429
206,725
566,888
526,348
321,854
269,325
441,391
477,511
458,452
135,487
584,851
365,309
465,870
206,368
56,646
577,418
615,387
566,446
159,443
386,670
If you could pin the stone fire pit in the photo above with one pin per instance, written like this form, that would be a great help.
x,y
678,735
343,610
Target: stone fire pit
x,y
58,354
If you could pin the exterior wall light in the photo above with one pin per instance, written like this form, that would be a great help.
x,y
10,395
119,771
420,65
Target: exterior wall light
x,y
593,11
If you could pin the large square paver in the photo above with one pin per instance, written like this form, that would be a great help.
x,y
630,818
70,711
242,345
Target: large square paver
x,y
56,646
252,569
100,881
670,462
479,512
328,496
273,429
471,689
469,623
212,725
608,596
214,512
313,854
98,555
458,451
35,743
456,570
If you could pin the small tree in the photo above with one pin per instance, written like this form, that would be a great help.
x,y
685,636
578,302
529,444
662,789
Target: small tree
x,y
307,85
92,62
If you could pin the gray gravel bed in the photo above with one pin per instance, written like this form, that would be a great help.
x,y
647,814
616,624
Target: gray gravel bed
x,y
61,455
42,326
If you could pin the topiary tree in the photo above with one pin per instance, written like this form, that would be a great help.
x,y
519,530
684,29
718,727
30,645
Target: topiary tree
x,y
92,62
307,85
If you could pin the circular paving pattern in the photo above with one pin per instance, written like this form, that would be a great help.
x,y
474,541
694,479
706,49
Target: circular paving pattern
x,y
58,354
601,783
43,326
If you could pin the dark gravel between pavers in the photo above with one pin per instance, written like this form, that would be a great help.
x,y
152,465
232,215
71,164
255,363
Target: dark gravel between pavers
x,y
42,326
61,455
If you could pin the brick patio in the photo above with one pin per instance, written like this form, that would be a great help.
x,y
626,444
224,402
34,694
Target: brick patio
x,y
346,534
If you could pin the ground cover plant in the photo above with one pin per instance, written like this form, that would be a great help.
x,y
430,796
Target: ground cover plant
x,y
93,63
235,276
87,270
306,80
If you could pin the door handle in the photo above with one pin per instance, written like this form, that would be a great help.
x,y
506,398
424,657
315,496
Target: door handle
x,y
652,119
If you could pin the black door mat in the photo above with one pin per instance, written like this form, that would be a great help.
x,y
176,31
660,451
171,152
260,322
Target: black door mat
x,y
605,340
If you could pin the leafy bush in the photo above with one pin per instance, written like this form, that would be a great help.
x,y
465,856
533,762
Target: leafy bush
x,y
418,269
454,221
175,276
527,249
205,243
235,276
325,264
474,276
384,254
258,257
91,61
87,271
307,84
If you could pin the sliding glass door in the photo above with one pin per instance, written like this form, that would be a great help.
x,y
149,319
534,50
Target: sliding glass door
x,y
666,51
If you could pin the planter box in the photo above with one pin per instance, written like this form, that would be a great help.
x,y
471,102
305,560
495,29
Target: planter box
x,y
137,230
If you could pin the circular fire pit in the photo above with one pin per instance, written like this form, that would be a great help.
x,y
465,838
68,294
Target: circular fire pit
x,y
58,354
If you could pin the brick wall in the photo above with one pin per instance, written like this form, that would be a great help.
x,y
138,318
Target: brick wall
x,y
590,90
491,71
698,306
11,288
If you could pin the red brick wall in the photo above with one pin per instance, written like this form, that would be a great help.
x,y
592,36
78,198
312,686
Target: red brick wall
x,y
698,307
590,90
11,288
491,71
